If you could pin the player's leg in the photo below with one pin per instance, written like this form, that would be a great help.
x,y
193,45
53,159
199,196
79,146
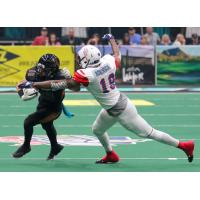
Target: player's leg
x,y
51,132
102,123
131,120
29,123
52,135
33,119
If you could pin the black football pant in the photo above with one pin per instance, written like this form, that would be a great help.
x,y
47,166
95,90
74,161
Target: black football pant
x,y
45,117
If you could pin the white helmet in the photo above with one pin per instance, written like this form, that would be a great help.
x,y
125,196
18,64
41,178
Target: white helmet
x,y
89,56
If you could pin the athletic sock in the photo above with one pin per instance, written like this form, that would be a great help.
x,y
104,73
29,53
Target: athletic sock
x,y
164,138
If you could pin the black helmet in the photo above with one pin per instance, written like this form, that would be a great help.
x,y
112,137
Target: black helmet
x,y
50,63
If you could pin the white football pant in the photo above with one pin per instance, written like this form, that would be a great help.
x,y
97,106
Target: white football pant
x,y
131,120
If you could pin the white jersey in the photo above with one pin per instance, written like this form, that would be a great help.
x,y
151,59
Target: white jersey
x,y
100,81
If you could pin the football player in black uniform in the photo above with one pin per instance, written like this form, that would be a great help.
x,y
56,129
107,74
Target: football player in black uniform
x,y
49,105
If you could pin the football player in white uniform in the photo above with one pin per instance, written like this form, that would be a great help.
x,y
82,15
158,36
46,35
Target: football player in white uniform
x,y
97,74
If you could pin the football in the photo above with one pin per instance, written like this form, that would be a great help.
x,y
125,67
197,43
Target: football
x,y
27,93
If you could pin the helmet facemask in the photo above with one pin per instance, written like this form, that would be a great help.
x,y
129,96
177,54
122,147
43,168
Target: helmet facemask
x,y
82,62
89,56
50,65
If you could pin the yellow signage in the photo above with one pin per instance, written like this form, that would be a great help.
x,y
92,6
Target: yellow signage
x,y
93,102
15,60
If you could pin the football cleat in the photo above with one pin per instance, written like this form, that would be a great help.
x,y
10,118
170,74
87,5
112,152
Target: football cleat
x,y
55,151
111,157
188,148
21,151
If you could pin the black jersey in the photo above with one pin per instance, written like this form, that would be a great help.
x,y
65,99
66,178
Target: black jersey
x,y
49,99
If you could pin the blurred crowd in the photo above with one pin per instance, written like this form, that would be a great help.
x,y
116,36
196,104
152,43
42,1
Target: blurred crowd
x,y
131,37
152,38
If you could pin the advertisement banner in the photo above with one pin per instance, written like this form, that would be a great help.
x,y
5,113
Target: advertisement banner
x,y
138,64
178,65
15,60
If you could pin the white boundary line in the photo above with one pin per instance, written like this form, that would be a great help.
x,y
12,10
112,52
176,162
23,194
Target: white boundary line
x,y
115,126
85,106
94,115
144,158
126,92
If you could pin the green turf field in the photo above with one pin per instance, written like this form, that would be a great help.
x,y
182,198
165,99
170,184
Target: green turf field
x,y
178,114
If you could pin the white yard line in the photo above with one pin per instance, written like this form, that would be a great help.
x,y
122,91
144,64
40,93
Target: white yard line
x,y
94,115
115,126
156,106
138,158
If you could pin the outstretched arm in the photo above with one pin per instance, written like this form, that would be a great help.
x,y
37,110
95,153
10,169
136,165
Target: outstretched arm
x,y
57,85
115,48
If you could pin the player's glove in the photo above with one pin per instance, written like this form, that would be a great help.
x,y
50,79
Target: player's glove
x,y
66,73
25,84
40,67
107,37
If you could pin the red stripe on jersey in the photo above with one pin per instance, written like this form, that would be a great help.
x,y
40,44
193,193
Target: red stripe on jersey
x,y
82,71
117,62
81,79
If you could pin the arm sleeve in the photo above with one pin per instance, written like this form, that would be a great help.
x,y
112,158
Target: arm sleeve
x,y
81,78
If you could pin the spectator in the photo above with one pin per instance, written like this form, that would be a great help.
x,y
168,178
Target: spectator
x,y
191,30
144,40
180,40
95,39
152,37
80,32
70,38
126,39
195,39
166,40
42,39
135,38
53,41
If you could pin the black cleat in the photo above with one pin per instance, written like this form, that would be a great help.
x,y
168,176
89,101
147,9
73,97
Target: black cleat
x,y
21,151
101,161
55,151
190,158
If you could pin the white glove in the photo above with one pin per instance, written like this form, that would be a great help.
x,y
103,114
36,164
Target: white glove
x,y
66,73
